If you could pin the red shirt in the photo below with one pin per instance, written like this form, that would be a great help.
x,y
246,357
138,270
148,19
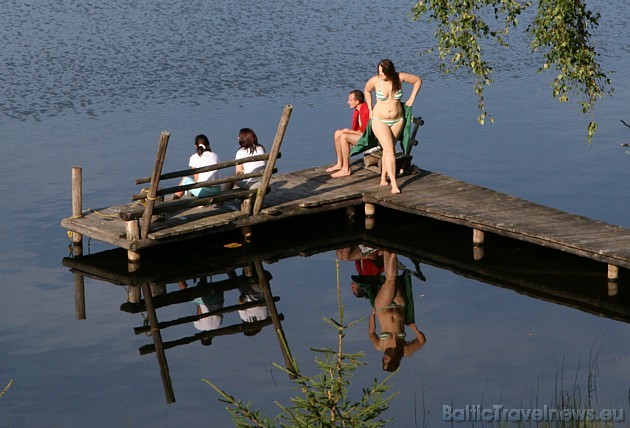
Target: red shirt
x,y
360,117
368,267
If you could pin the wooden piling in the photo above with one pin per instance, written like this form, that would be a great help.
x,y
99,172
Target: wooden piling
x,y
155,182
77,199
273,155
369,209
613,273
133,233
478,237
350,213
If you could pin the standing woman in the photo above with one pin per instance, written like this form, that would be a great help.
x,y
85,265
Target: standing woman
x,y
248,142
387,114
203,156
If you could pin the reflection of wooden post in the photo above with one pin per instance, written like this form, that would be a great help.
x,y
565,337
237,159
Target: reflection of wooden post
x,y
157,340
273,155
288,360
133,294
77,199
79,296
613,288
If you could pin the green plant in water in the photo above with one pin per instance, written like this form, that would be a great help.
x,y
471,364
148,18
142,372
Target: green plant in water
x,y
6,388
323,399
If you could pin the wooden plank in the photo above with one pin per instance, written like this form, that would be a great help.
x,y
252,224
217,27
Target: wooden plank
x,y
427,194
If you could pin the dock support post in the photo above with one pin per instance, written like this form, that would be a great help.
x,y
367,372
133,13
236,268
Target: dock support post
x,y
369,209
613,276
133,232
246,208
77,199
613,273
478,237
350,213
478,240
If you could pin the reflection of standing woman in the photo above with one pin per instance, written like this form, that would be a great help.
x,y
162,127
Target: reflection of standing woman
x,y
389,309
204,156
248,142
387,114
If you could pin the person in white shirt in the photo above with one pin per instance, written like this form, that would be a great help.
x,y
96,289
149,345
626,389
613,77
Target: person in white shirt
x,y
249,146
204,156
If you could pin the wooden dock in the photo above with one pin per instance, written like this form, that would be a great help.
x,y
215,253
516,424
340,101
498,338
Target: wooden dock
x,y
427,194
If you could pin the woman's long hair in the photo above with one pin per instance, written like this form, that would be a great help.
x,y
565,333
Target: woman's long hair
x,y
202,144
395,355
248,140
390,72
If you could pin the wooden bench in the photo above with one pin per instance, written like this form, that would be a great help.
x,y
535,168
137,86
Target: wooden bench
x,y
171,206
373,159
139,217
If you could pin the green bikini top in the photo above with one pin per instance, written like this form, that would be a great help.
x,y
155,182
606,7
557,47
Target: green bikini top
x,y
387,334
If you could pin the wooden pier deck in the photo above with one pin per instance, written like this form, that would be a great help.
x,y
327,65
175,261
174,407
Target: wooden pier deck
x,y
428,194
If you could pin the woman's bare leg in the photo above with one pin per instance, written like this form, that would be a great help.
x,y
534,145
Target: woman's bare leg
x,y
388,163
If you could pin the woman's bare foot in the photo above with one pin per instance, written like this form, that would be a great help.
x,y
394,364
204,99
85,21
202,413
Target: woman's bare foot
x,y
341,173
384,183
335,167
395,190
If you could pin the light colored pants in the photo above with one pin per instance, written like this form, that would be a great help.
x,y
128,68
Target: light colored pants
x,y
201,192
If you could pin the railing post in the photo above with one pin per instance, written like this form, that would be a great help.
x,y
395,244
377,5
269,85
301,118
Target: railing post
x,y
273,155
155,182
77,199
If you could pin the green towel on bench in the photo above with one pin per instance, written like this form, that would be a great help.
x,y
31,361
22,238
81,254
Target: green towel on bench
x,y
368,139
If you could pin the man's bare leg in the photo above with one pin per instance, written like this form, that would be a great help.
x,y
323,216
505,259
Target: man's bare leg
x,y
337,140
347,140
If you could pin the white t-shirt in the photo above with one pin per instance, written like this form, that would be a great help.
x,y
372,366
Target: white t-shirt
x,y
251,166
206,159
211,322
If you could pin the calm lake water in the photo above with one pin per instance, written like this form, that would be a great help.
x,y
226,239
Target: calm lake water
x,y
94,83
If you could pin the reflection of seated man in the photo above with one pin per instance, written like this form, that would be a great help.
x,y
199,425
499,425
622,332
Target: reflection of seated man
x,y
206,304
369,264
392,301
252,293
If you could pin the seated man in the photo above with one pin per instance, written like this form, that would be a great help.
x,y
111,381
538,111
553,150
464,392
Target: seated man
x,y
346,138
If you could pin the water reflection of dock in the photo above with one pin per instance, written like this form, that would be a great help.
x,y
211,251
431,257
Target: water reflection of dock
x,y
527,269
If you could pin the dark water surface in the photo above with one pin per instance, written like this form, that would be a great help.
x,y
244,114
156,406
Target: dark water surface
x,y
93,84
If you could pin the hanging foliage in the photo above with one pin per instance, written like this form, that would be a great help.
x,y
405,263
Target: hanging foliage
x,y
560,33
